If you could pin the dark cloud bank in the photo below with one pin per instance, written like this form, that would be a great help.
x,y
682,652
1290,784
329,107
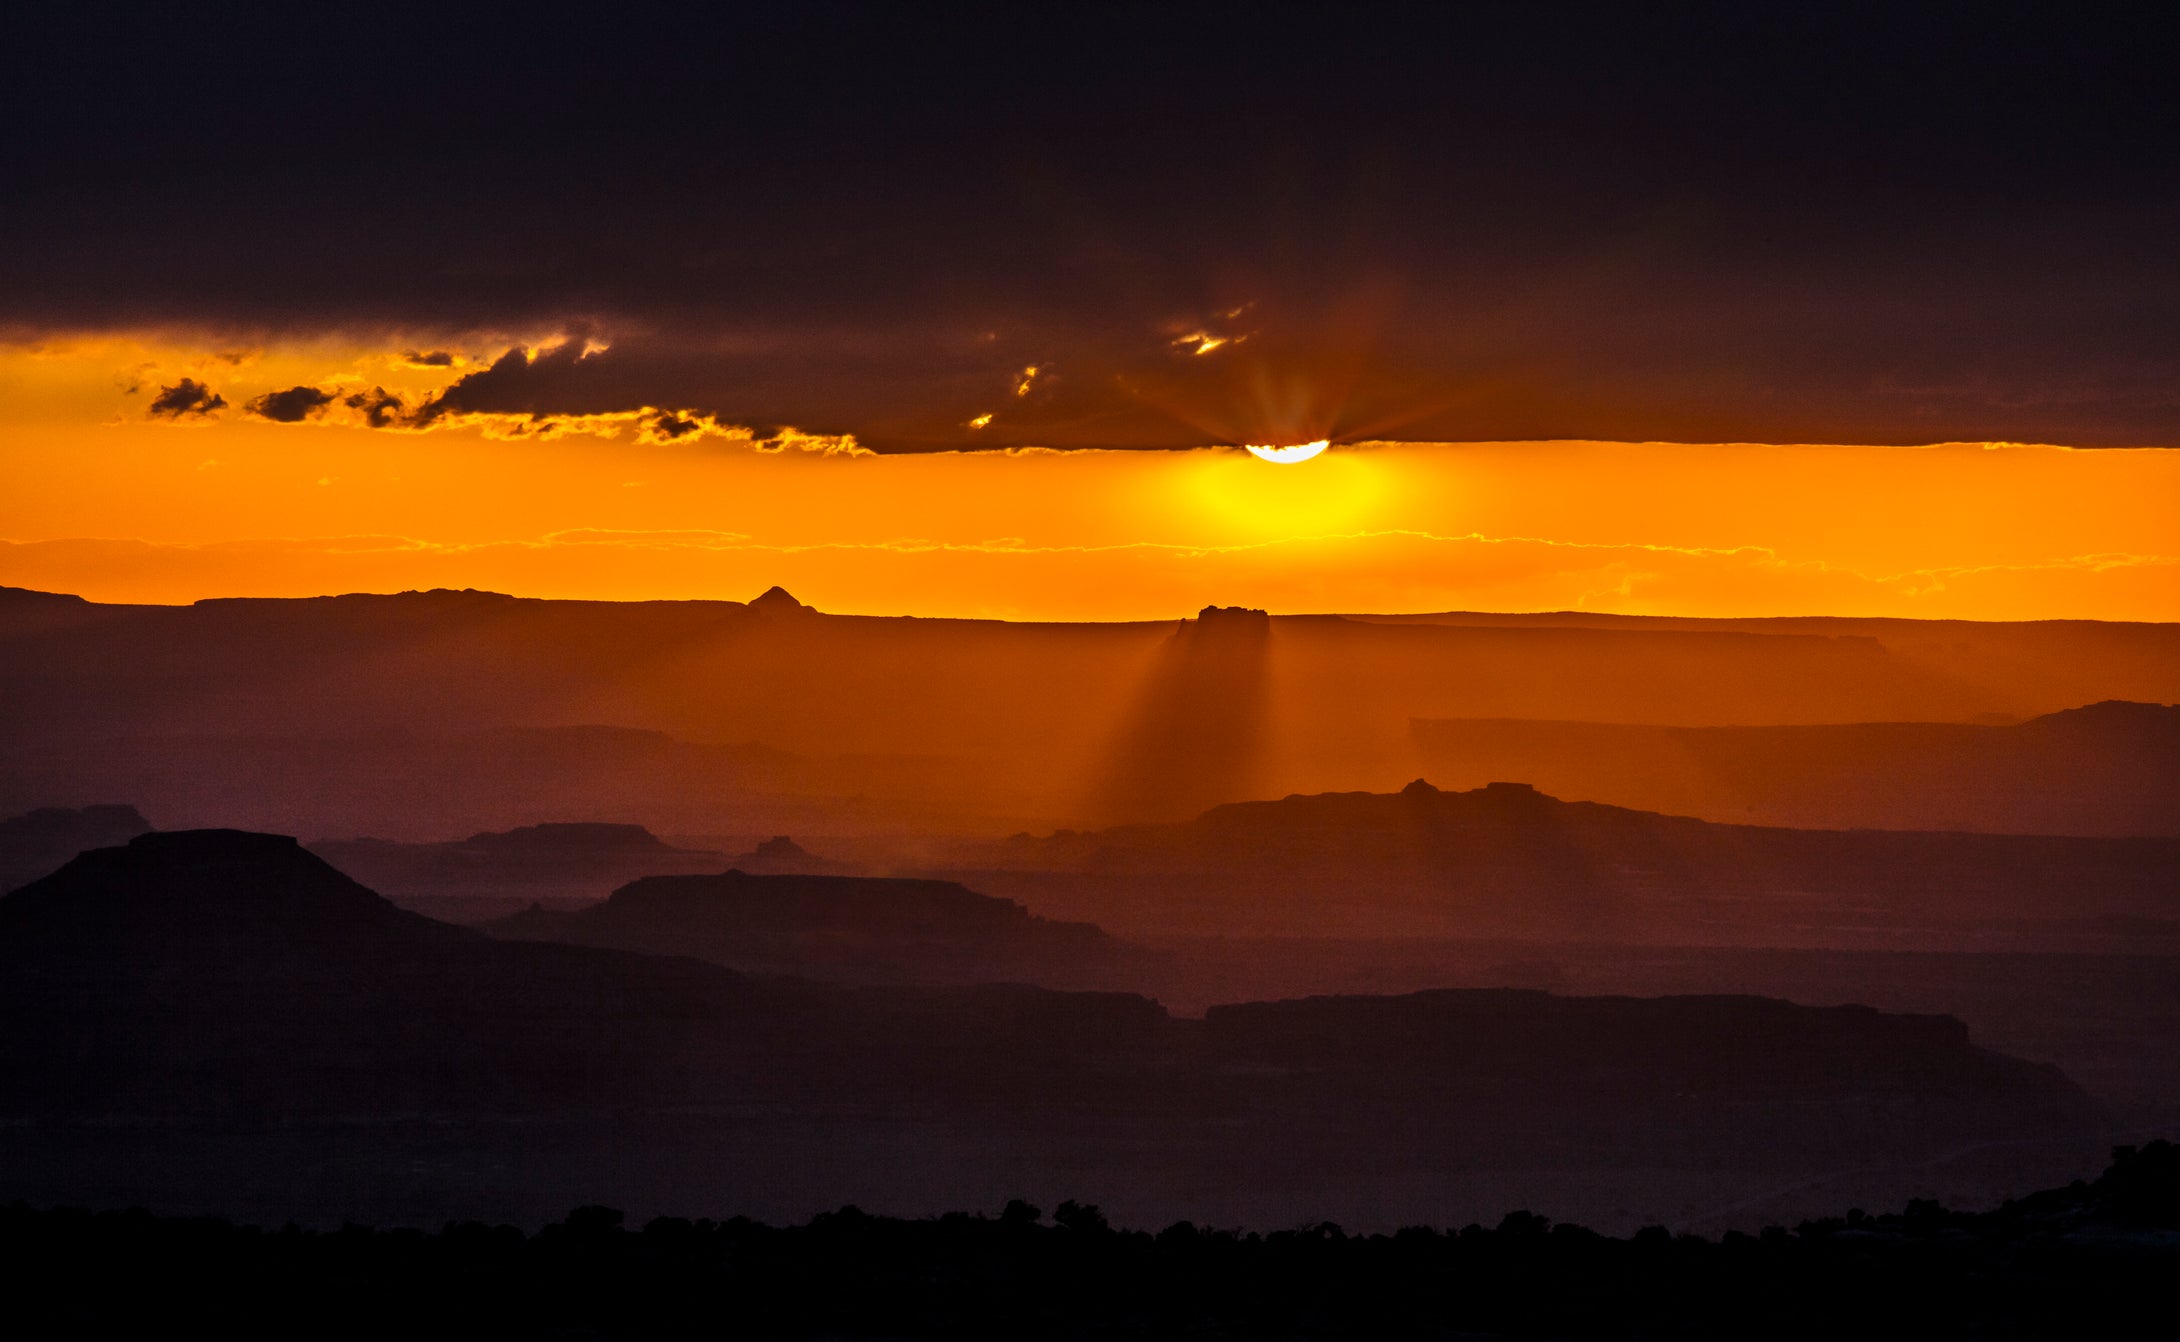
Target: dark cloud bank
x,y
186,399
1876,223
291,406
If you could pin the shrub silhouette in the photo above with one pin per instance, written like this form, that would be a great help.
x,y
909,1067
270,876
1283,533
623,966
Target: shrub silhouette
x,y
1080,1217
2091,1260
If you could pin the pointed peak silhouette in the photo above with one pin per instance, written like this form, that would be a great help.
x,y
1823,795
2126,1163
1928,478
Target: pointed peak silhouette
x,y
781,855
777,599
1419,788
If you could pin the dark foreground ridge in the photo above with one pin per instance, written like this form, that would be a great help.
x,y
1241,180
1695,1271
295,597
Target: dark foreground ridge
x,y
237,1027
2092,1259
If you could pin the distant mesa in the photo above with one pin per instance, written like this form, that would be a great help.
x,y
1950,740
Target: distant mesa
x,y
205,988
572,836
777,601
223,971
1489,792
231,893
2110,768
33,596
1508,859
2109,715
36,843
499,871
420,716
230,972
26,611
1224,643
844,928
782,856
1227,621
781,847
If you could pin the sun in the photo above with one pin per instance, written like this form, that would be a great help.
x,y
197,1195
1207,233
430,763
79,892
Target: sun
x,y
1287,456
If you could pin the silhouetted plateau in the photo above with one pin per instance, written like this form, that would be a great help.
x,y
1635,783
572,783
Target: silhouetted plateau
x,y
2106,1020
420,786
2111,768
215,1019
1508,860
216,972
35,843
424,714
2020,667
846,928
780,855
1200,731
486,874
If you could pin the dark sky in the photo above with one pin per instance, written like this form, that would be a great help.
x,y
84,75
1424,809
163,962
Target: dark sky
x,y
1892,223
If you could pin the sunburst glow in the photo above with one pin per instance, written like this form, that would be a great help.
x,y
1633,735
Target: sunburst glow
x,y
1287,456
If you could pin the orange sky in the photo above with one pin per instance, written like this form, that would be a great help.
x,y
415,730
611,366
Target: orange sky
x,y
98,499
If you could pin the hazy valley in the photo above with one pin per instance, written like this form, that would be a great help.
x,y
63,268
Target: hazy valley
x,y
1367,999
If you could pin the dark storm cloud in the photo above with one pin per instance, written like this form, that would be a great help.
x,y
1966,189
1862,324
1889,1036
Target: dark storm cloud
x,y
437,358
185,398
292,406
667,426
523,382
380,408
894,390
1890,223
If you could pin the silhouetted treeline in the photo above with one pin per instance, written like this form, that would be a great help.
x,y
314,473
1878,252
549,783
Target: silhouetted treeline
x,y
2093,1259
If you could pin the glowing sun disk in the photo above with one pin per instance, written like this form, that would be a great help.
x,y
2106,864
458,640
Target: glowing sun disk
x,y
1287,456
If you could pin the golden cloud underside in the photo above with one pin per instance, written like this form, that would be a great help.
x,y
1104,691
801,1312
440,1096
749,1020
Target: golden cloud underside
x,y
651,501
